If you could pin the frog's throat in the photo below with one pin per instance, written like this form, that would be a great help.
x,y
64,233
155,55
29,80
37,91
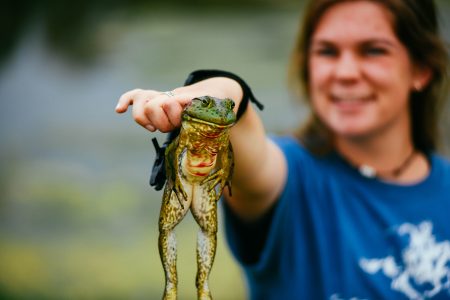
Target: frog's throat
x,y
195,173
197,120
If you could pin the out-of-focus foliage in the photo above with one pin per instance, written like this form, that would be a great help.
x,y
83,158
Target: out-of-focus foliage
x,y
69,24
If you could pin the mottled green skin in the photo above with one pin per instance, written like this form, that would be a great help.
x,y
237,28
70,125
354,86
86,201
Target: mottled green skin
x,y
199,164
212,110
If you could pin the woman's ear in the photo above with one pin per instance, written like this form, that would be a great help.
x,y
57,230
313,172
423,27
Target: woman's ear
x,y
422,76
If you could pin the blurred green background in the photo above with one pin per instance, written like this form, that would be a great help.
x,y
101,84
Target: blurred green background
x,y
78,219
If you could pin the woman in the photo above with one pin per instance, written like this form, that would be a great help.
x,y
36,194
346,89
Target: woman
x,y
356,207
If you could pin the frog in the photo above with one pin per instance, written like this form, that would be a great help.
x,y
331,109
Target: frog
x,y
199,165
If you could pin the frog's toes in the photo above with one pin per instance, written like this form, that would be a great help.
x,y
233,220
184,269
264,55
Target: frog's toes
x,y
170,294
204,295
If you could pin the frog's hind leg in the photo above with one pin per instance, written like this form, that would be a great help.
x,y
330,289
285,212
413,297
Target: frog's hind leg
x,y
205,214
206,250
171,214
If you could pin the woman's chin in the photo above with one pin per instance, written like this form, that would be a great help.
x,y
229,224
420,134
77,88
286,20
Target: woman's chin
x,y
352,129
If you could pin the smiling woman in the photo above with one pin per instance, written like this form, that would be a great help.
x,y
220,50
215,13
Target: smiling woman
x,y
415,33
360,81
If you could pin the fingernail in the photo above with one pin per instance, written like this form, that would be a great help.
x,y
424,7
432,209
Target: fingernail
x,y
150,127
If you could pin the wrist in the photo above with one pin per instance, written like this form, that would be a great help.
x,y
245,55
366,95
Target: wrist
x,y
241,95
228,88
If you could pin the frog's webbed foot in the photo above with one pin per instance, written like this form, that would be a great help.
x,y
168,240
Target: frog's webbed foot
x,y
213,180
228,184
204,295
170,294
180,192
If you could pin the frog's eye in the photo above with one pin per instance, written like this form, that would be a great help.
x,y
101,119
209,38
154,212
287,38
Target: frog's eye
x,y
229,104
206,102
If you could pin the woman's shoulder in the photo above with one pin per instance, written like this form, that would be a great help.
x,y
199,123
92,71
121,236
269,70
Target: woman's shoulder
x,y
293,150
289,144
441,164
300,159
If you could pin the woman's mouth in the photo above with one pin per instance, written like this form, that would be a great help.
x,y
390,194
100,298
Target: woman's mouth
x,y
351,102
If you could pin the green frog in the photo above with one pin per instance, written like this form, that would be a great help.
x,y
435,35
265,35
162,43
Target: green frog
x,y
199,164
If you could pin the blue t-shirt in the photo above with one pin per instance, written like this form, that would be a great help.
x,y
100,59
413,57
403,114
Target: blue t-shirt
x,y
335,234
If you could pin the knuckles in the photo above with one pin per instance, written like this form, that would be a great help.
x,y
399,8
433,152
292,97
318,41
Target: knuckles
x,y
150,110
166,129
140,119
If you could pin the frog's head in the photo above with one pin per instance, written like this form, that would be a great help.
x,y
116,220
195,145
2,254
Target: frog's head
x,y
212,111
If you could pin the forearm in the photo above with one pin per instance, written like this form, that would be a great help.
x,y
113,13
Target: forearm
x,y
219,87
259,171
260,168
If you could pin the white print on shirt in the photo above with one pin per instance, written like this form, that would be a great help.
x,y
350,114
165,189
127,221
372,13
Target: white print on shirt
x,y
425,263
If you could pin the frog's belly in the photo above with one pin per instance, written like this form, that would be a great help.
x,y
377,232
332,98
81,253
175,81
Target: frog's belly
x,y
196,166
199,198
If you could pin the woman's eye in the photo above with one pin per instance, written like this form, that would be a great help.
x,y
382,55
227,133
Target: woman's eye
x,y
374,51
325,51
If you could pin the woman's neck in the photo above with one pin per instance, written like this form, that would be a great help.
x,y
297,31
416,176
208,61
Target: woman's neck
x,y
391,157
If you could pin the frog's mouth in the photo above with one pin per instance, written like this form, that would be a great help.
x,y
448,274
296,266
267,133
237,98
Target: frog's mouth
x,y
216,125
205,128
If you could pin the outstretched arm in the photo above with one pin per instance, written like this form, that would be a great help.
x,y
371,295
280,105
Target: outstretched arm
x,y
260,167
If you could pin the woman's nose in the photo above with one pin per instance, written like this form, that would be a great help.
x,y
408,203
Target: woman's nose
x,y
347,67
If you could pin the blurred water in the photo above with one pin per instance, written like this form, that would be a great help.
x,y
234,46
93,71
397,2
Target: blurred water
x,y
77,217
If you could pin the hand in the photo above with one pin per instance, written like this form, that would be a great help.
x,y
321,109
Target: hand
x,y
156,110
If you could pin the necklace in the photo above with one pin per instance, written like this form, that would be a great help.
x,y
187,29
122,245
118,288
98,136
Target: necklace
x,y
371,172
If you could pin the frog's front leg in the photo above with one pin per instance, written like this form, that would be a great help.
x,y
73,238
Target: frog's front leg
x,y
212,180
173,161
179,191
222,176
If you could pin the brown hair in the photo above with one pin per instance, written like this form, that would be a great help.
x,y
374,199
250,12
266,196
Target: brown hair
x,y
415,24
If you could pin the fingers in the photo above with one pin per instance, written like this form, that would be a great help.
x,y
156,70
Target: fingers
x,y
156,117
148,112
140,116
126,100
173,110
154,110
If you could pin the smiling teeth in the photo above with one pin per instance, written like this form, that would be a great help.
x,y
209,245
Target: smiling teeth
x,y
349,99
